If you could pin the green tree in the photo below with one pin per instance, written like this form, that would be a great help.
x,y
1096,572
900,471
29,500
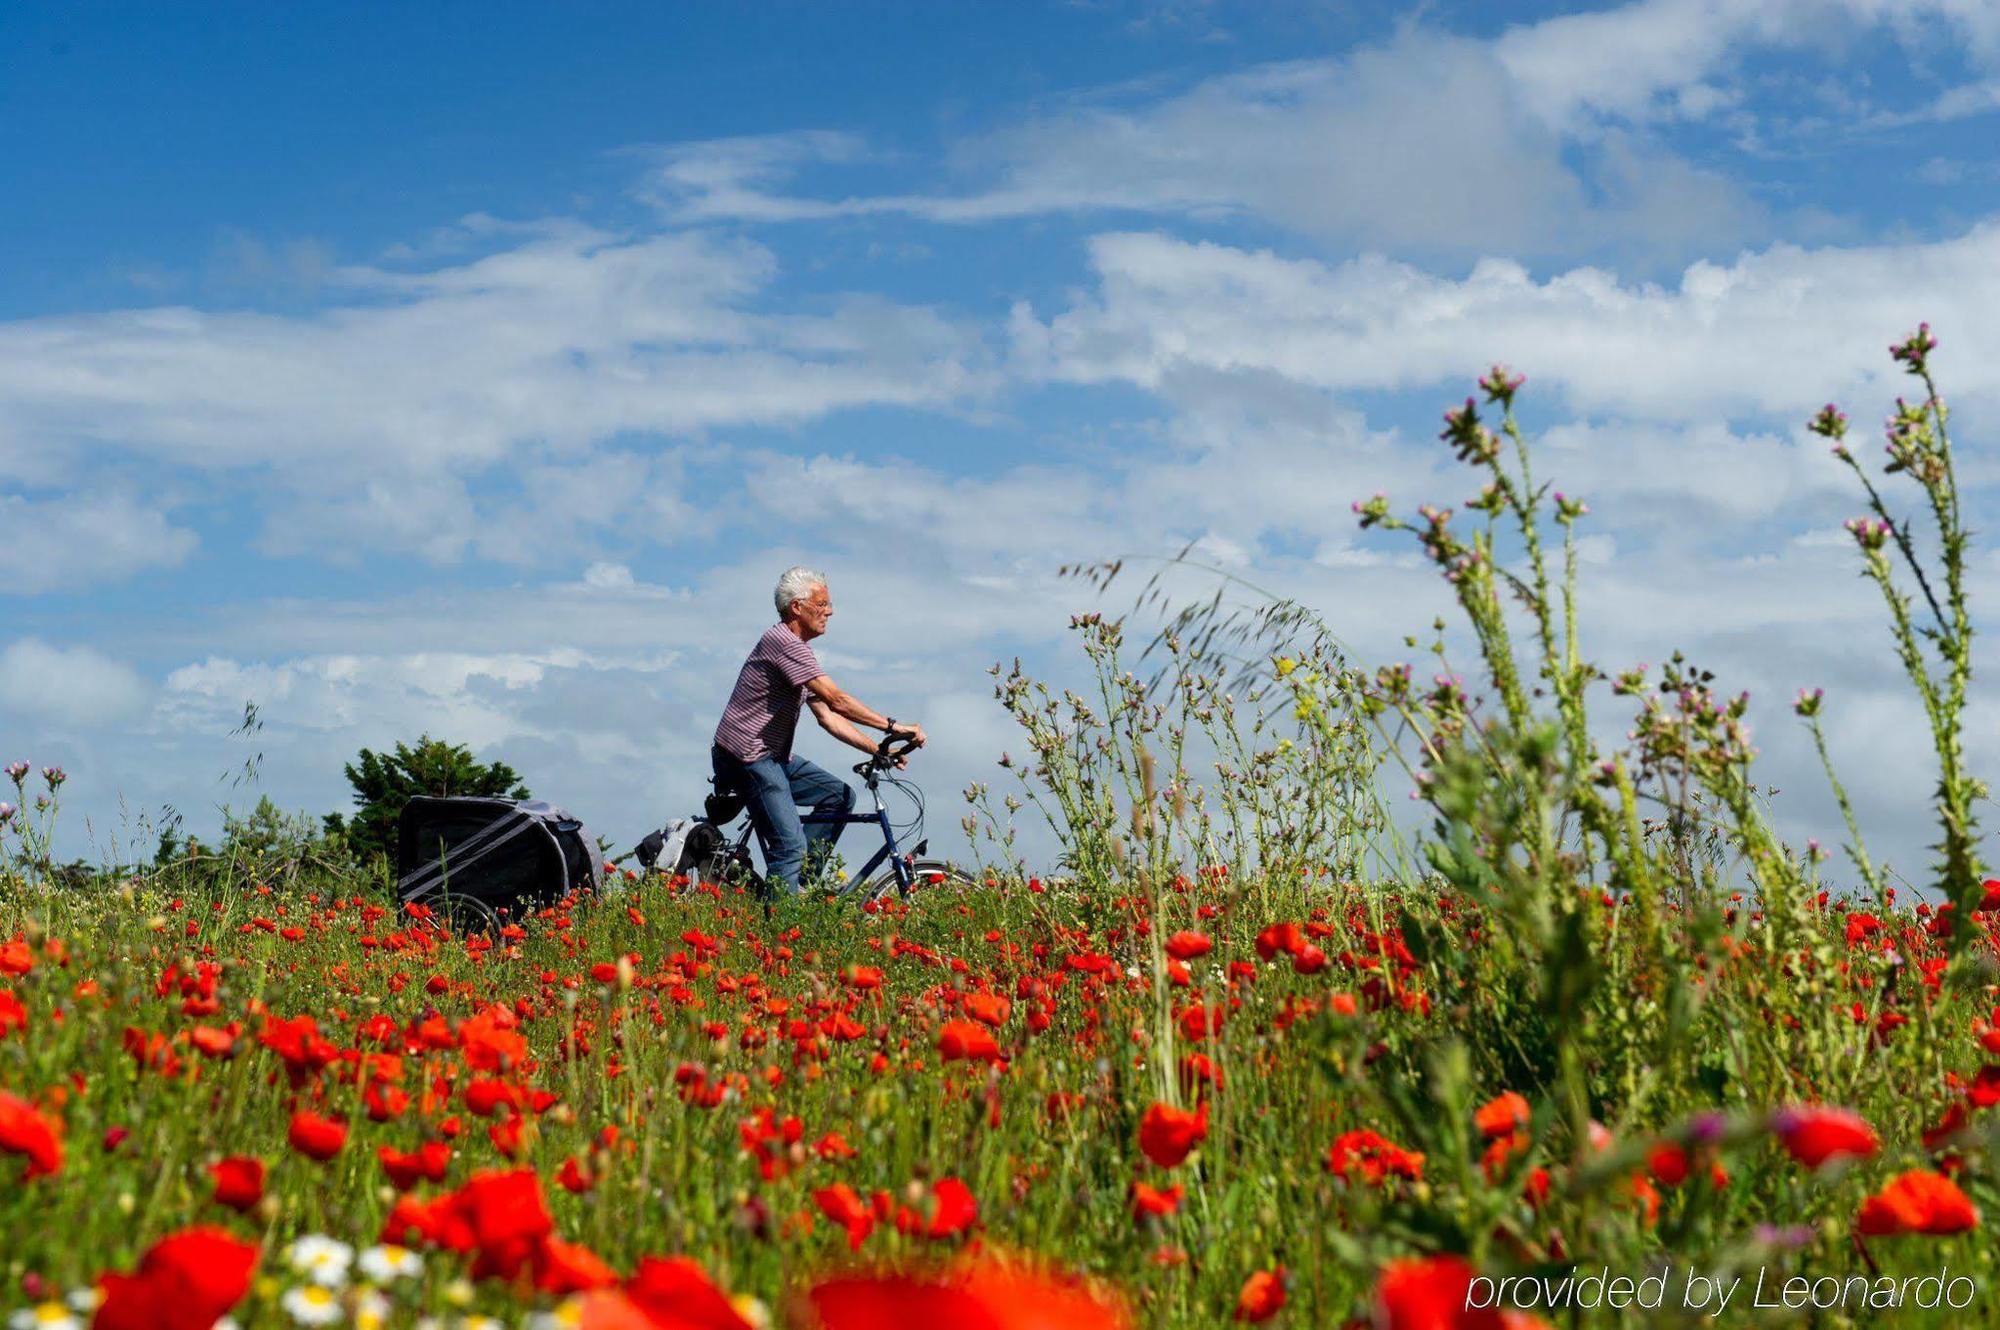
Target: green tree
x,y
384,782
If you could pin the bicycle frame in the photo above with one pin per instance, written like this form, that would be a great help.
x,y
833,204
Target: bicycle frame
x,y
899,863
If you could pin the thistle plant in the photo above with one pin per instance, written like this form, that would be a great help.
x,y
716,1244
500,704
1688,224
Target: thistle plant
x,y
1933,640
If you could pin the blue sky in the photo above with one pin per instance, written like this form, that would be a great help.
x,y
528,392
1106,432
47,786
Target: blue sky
x,y
476,368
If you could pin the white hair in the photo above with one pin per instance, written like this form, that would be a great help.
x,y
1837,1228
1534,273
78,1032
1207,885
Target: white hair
x,y
796,584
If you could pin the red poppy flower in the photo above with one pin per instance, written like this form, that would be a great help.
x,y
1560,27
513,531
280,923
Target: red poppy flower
x,y
1814,1134
1167,1134
967,1040
844,1206
184,1282
405,1170
1918,1202
1186,945
13,1016
1501,1115
1668,1163
987,1008
1262,1296
982,1295
317,1137
1285,938
1148,1200
957,1209
678,1295
239,1181
567,1267
1429,1293
1374,1157
24,1131
15,957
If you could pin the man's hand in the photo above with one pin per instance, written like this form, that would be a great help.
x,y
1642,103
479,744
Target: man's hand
x,y
913,731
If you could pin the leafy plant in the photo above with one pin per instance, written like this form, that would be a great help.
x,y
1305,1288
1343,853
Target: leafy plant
x,y
384,782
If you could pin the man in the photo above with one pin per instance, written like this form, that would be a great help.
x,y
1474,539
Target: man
x,y
753,744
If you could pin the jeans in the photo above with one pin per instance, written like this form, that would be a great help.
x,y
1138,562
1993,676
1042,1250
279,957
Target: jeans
x,y
774,790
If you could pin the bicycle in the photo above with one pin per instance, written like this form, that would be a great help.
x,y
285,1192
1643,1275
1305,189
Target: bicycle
x,y
905,870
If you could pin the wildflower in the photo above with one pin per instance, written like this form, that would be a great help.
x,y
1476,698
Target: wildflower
x,y
317,1137
957,1210
386,1261
1913,353
1499,386
371,1310
1500,1115
1807,703
1830,423
44,1316
967,1040
1262,1296
1814,1135
983,1293
311,1304
13,1016
17,772
321,1259
1374,1157
676,1292
1868,533
427,1161
844,1206
186,1281
1918,1202
1428,1293
1152,1201
1168,1135
239,1181
24,1131
1186,945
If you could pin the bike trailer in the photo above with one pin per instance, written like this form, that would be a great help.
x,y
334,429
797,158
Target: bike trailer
x,y
468,858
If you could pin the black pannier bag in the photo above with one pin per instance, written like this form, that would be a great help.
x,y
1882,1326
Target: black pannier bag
x,y
467,858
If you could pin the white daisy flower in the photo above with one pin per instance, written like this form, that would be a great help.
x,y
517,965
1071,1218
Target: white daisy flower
x,y
321,1259
86,1299
389,1261
752,1310
480,1323
44,1316
312,1304
565,1315
371,1309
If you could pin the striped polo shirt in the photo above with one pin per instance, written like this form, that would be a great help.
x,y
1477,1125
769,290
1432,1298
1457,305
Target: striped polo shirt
x,y
763,708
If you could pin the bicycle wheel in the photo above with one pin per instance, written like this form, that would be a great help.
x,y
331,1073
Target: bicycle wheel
x,y
927,874
466,916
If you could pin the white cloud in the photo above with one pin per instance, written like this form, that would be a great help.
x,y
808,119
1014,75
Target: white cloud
x,y
1647,59
374,417
75,685
1424,144
1774,333
76,540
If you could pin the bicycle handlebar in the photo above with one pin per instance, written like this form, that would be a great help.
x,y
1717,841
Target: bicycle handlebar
x,y
887,754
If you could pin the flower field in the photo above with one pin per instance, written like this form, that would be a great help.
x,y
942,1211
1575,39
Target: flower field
x,y
1184,1112
1597,1047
